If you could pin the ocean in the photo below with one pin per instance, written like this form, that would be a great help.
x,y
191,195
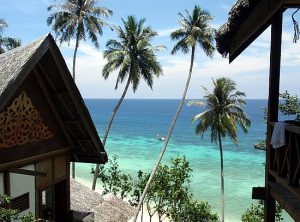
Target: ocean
x,y
133,139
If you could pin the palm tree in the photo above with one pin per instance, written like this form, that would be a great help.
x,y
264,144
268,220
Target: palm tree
x,y
194,30
224,113
7,43
75,19
134,57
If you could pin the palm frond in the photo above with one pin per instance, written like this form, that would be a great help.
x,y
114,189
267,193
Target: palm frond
x,y
224,112
74,18
194,28
132,53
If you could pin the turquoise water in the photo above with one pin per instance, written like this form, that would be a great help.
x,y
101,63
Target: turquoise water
x,y
133,139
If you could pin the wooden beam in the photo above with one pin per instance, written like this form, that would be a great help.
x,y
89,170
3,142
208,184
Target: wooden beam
x,y
274,81
29,160
77,123
292,3
41,69
53,108
286,200
27,172
65,105
77,99
258,20
259,193
6,178
285,183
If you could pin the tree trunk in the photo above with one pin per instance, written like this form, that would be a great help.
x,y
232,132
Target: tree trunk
x,y
74,60
222,178
97,169
168,137
74,56
142,214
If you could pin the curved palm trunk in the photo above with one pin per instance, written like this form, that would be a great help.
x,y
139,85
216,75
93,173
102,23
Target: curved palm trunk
x,y
222,178
97,169
74,56
74,60
168,137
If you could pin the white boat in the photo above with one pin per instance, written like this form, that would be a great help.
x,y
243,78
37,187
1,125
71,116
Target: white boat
x,y
161,138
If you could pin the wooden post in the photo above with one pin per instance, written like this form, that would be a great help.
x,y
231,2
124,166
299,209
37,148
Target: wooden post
x,y
274,81
6,183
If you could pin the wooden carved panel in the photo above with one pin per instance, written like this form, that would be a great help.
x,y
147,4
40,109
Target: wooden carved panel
x,y
21,123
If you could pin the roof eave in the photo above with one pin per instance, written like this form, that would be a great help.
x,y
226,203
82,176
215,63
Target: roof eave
x,y
257,22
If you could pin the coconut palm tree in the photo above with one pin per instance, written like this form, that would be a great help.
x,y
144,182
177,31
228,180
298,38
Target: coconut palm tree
x,y
7,43
194,31
76,19
222,117
134,58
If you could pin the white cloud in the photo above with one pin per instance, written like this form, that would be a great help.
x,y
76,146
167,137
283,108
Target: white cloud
x,y
250,70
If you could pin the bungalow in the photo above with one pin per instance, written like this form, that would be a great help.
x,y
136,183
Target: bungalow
x,y
44,124
247,20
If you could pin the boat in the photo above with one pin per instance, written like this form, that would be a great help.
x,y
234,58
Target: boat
x,y
261,145
161,138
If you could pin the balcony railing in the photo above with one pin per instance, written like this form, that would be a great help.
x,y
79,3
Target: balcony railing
x,y
285,162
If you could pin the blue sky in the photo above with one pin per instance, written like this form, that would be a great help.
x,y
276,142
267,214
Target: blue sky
x,y
27,20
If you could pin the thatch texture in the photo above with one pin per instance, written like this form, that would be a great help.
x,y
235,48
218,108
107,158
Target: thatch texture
x,y
82,197
108,209
113,209
13,61
237,15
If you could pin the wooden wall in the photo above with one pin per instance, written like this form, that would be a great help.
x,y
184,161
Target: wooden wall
x,y
36,144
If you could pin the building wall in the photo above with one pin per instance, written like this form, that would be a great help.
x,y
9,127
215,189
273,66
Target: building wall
x,y
21,184
1,184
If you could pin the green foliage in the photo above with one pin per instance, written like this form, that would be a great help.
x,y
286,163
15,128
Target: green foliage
x,y
7,43
113,180
77,18
291,105
132,54
194,29
168,196
8,214
5,213
255,213
224,111
193,211
138,188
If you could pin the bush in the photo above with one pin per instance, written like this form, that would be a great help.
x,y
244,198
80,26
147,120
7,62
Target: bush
x,y
255,213
8,214
168,196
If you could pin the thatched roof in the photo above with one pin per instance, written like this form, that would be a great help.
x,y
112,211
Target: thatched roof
x,y
237,15
43,55
107,209
113,209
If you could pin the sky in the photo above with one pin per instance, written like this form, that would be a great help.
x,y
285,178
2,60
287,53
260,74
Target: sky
x,y
27,21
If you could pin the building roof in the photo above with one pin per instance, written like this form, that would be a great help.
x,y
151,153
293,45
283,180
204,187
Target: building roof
x,y
246,21
17,64
236,16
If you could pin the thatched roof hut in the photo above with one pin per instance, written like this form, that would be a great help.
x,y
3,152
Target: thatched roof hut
x,y
44,124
